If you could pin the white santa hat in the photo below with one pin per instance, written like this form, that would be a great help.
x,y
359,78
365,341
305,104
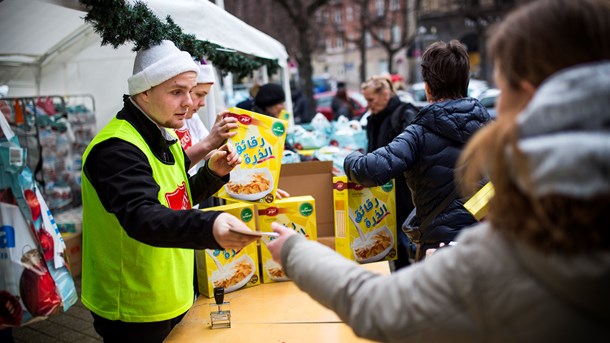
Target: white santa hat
x,y
158,64
206,74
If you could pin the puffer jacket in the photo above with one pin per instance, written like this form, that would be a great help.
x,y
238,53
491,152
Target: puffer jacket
x,y
426,153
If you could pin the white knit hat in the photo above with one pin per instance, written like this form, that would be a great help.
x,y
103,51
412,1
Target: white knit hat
x,y
206,74
158,64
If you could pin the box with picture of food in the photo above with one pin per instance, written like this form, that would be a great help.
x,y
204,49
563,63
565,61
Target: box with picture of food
x,y
231,269
260,143
365,220
297,213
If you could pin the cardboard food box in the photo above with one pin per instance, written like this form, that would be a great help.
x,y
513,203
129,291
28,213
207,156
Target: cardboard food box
x,y
314,178
478,205
260,143
365,221
297,213
74,251
231,269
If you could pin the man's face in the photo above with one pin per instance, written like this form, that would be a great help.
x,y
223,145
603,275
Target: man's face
x,y
377,101
275,110
198,94
167,104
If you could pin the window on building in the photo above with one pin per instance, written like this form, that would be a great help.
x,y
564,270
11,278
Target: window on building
x,y
328,45
383,67
340,43
380,7
394,5
349,13
338,17
395,34
368,40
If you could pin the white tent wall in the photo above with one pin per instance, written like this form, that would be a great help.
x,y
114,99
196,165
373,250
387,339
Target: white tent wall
x,y
74,62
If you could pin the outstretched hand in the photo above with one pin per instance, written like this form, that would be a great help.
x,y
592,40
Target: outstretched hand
x,y
275,246
223,160
228,239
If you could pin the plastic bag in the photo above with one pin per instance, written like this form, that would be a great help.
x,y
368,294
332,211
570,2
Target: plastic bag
x,y
34,280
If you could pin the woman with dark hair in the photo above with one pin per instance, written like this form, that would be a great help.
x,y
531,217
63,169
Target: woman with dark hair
x,y
538,270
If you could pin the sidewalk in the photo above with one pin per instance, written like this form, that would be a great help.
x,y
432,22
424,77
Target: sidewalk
x,y
74,325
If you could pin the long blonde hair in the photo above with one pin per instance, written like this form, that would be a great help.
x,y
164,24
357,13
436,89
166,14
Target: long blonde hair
x,y
551,223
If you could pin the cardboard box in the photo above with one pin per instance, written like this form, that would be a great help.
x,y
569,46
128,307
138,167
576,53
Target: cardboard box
x,y
297,213
230,269
365,221
313,178
74,251
260,143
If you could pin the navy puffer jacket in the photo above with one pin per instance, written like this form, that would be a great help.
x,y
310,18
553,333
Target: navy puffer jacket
x,y
426,152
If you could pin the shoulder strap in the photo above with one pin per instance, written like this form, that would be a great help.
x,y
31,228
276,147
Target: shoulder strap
x,y
438,209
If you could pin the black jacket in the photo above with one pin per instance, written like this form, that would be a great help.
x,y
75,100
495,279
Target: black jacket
x,y
426,153
123,180
381,129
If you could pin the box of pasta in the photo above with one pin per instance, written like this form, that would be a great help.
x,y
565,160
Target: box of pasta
x,y
231,269
297,213
260,143
365,220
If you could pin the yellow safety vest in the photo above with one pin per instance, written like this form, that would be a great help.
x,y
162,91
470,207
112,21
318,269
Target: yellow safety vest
x,y
125,279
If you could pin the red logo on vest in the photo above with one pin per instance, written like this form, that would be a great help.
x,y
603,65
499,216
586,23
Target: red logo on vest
x,y
185,138
178,199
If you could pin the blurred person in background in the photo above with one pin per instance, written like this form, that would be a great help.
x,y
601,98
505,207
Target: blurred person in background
x,y
538,270
249,103
270,100
341,104
300,105
389,117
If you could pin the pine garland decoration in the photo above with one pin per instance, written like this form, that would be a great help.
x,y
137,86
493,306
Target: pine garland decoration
x,y
117,22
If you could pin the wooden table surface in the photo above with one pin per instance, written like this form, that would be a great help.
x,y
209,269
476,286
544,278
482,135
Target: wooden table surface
x,y
275,312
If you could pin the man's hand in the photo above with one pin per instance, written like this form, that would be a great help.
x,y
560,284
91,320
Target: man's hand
x,y
223,129
227,239
223,160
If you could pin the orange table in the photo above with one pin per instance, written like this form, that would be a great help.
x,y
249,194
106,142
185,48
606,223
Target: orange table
x,y
275,312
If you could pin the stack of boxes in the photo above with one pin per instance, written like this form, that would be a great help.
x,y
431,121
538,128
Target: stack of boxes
x,y
319,209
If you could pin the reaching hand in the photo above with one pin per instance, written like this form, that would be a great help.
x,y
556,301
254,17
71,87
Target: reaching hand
x,y
224,128
281,194
228,239
223,160
275,246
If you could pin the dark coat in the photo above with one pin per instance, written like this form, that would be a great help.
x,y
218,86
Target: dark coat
x,y
426,153
381,129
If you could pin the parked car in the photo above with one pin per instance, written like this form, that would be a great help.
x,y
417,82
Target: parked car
x,y
418,91
323,101
488,99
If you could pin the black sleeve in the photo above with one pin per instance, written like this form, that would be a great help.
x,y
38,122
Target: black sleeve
x,y
205,183
123,180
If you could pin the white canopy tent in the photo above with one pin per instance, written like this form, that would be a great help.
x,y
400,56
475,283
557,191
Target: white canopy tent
x,y
46,48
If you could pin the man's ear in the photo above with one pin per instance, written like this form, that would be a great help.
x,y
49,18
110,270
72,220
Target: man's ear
x,y
428,95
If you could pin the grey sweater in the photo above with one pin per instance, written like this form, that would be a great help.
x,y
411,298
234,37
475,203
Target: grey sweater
x,y
489,288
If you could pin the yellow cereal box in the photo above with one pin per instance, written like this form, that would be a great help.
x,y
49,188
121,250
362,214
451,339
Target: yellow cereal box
x,y
298,213
260,143
478,205
231,269
365,221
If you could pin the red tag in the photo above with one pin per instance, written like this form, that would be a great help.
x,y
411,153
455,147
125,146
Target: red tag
x,y
185,138
242,118
178,199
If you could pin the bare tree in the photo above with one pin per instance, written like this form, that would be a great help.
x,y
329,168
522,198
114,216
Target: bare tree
x,y
302,14
393,25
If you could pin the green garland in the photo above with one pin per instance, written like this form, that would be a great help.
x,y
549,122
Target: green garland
x,y
117,22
